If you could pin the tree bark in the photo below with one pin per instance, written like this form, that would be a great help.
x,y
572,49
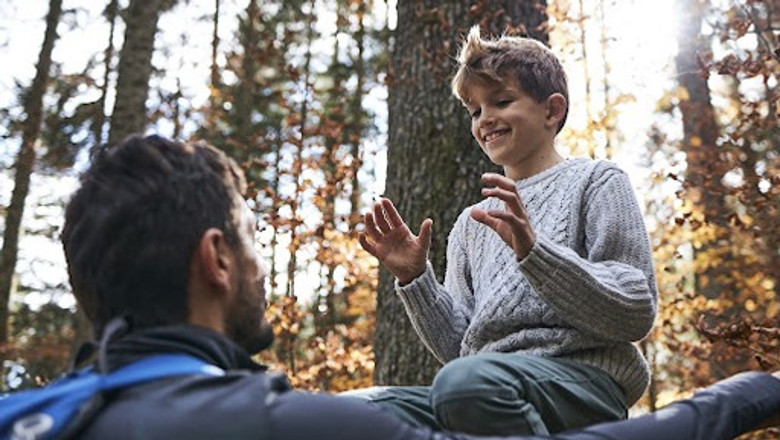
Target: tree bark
x,y
33,106
434,165
700,129
215,77
356,122
135,68
100,117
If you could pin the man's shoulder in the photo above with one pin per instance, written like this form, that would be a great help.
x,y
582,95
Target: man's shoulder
x,y
240,405
191,407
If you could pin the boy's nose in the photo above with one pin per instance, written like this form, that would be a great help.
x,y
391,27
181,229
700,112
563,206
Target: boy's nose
x,y
486,120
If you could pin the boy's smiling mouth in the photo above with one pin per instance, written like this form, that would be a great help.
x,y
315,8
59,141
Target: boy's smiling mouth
x,y
493,135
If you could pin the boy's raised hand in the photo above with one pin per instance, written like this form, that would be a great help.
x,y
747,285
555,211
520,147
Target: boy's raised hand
x,y
512,223
388,238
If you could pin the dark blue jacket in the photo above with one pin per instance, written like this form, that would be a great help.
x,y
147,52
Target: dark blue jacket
x,y
246,403
249,403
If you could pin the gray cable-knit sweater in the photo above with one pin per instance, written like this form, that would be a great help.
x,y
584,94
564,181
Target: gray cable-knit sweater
x,y
585,292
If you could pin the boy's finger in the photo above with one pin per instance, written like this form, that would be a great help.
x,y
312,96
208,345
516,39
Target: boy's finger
x,y
367,245
392,214
426,231
499,181
482,217
510,197
518,225
379,217
371,228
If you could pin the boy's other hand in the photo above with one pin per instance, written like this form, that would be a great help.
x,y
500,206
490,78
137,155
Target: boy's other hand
x,y
388,238
512,223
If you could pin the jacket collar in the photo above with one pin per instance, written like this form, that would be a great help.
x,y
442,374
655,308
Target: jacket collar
x,y
198,342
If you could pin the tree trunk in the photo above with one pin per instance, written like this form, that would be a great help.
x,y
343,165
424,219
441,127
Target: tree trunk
x,y
586,77
248,86
297,171
135,68
356,121
607,115
215,77
434,165
700,131
100,117
33,105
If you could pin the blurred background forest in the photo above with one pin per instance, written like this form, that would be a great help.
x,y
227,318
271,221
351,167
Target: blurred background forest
x,y
329,103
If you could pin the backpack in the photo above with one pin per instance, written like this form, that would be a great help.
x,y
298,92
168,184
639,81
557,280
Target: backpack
x,y
60,408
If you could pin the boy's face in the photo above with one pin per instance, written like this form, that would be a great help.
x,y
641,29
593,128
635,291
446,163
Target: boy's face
x,y
511,127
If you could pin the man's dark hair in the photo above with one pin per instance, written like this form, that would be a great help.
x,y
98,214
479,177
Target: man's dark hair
x,y
133,225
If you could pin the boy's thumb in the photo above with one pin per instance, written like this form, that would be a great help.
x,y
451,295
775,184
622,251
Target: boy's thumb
x,y
426,231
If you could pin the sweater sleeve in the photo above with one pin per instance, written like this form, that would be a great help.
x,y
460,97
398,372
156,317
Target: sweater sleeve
x,y
611,290
440,313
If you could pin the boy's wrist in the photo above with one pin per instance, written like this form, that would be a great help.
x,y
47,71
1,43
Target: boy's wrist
x,y
523,253
407,278
408,274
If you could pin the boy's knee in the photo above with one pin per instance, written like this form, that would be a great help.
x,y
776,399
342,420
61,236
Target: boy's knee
x,y
454,375
480,374
473,379
474,391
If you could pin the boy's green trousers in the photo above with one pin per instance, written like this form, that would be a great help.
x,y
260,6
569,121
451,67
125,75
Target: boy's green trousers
x,y
506,393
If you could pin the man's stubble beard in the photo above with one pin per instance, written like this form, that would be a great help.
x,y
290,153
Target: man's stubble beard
x,y
246,325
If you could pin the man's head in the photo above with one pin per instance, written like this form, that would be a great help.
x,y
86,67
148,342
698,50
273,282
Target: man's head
x,y
512,61
158,229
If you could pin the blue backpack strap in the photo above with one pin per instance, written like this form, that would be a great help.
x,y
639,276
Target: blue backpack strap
x,y
157,367
46,412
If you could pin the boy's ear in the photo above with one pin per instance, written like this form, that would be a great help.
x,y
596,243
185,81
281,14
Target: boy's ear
x,y
556,108
215,259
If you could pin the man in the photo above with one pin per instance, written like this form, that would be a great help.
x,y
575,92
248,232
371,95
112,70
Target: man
x,y
159,245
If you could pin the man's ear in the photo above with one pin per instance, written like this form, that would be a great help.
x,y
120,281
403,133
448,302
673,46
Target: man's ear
x,y
215,259
556,109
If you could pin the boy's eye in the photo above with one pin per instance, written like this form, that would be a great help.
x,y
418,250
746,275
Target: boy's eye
x,y
475,114
503,103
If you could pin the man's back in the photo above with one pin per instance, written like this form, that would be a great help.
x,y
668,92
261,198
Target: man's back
x,y
246,402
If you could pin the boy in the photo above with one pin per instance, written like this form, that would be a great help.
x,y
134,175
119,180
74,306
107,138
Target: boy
x,y
549,279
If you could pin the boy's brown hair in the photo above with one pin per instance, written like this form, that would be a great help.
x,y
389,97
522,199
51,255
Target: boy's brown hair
x,y
514,60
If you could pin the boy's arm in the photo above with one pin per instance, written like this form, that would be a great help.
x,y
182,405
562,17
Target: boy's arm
x,y
611,290
440,313
430,308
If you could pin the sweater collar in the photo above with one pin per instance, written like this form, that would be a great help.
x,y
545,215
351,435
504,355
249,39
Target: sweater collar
x,y
549,172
